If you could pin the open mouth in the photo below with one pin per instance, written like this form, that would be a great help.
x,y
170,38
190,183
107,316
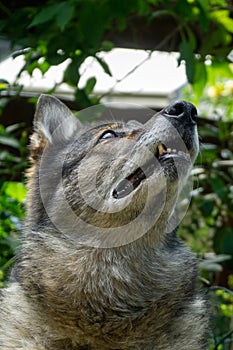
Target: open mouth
x,y
131,182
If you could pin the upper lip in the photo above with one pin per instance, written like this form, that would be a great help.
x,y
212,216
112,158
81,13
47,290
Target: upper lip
x,y
133,180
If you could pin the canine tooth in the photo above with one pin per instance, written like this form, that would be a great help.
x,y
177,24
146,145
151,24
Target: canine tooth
x,y
161,149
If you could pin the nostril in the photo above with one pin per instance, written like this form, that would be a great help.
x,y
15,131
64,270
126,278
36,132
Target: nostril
x,y
182,109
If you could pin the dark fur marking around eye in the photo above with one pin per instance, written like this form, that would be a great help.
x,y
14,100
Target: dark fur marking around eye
x,y
108,134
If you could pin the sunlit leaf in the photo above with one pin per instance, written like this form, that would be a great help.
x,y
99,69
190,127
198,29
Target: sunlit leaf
x,y
219,69
223,17
15,190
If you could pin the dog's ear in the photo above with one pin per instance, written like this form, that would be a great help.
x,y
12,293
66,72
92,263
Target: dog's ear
x,y
50,114
53,122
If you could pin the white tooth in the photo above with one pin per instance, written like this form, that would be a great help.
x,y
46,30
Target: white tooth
x,y
174,150
160,149
169,150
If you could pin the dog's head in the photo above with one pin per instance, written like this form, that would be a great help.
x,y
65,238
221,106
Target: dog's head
x,y
113,183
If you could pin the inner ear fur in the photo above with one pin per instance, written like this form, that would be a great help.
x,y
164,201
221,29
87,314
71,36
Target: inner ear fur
x,y
53,122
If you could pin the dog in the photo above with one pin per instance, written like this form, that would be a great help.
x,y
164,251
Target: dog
x,y
101,266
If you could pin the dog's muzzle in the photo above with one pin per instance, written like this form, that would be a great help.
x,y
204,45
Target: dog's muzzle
x,y
180,112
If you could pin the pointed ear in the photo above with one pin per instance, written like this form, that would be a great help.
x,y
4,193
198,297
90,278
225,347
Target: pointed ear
x,y
51,115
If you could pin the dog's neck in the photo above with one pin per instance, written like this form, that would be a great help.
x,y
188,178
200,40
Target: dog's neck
x,y
101,277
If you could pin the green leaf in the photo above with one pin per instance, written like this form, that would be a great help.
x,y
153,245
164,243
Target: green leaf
x,y
183,8
191,39
159,13
71,75
107,45
203,16
3,86
3,81
207,207
104,65
93,20
81,98
218,69
200,78
6,156
204,4
223,243
15,190
44,67
210,266
219,188
20,52
9,141
90,85
31,67
54,59
186,54
64,15
13,127
56,53
13,244
47,14
62,12
223,17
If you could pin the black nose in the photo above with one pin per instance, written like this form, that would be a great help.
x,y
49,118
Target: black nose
x,y
182,110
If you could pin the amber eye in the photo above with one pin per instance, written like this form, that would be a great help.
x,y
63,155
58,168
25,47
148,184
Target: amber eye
x,y
108,134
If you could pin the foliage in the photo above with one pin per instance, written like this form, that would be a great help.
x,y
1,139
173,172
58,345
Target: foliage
x,y
48,33
215,98
208,225
73,30
222,334
12,193
13,151
213,196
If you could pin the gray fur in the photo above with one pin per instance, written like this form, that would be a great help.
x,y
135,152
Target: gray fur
x,y
70,288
